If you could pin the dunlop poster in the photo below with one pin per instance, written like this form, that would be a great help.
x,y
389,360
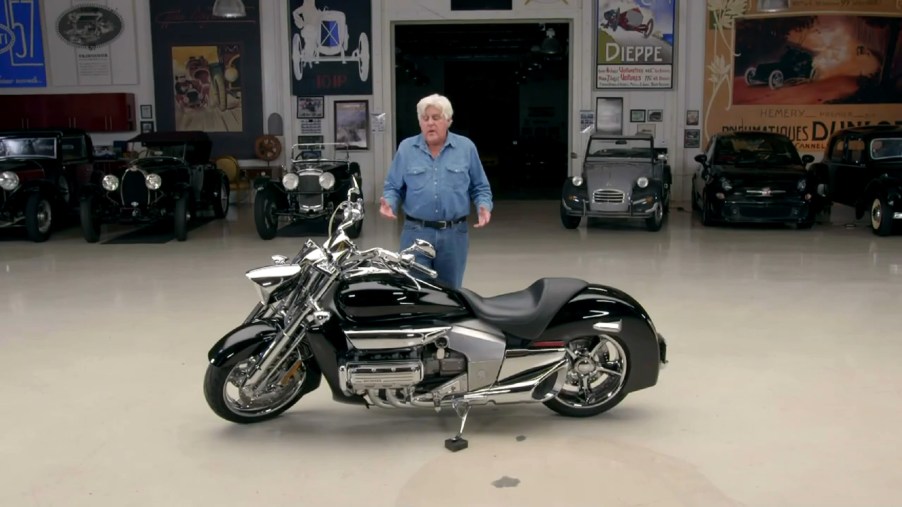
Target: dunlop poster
x,y
804,68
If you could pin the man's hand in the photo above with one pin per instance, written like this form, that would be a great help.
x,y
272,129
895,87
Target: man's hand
x,y
385,210
484,217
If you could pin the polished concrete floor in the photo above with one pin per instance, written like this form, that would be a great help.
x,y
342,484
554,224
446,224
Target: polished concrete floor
x,y
783,386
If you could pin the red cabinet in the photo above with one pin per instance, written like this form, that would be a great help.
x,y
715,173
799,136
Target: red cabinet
x,y
93,112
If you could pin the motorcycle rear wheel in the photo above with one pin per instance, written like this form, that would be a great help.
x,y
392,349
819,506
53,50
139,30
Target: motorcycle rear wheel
x,y
221,388
596,378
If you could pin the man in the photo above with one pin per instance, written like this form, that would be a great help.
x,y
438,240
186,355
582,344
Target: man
x,y
433,178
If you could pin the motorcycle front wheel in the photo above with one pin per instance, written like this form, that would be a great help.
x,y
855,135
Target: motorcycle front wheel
x,y
222,387
595,379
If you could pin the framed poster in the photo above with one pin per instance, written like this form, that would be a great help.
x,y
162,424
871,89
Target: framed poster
x,y
634,42
146,126
311,107
352,123
609,115
637,115
146,111
655,115
22,62
692,117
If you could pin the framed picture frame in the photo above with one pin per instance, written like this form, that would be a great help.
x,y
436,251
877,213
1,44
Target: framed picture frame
x,y
609,115
637,115
646,128
655,115
146,126
691,138
146,111
351,123
311,152
311,107
692,117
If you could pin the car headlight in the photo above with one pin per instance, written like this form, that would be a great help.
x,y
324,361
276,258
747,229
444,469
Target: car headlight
x,y
153,181
326,180
726,185
9,180
802,185
642,182
110,182
291,181
577,181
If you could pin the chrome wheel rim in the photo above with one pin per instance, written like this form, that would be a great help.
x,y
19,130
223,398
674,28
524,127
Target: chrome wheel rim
x,y
597,372
44,216
224,196
876,214
286,386
270,214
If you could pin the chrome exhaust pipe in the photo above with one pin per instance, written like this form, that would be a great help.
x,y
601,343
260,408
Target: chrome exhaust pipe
x,y
531,387
377,400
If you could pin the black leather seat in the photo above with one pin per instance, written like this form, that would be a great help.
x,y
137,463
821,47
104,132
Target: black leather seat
x,y
528,312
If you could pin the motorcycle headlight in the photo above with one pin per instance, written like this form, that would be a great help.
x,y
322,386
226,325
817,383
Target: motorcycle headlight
x,y
726,185
153,181
577,181
642,182
110,182
291,181
802,185
326,180
9,180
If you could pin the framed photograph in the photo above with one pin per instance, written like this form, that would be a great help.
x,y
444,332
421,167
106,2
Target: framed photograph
x,y
655,115
646,128
311,107
146,126
146,112
352,123
311,152
637,115
691,138
609,115
692,117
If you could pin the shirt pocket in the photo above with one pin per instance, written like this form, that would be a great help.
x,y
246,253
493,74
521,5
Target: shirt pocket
x,y
458,177
416,178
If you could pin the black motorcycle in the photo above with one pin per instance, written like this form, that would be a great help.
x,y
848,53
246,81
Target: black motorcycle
x,y
386,336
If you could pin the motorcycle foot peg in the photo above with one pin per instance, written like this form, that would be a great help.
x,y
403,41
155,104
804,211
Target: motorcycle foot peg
x,y
455,444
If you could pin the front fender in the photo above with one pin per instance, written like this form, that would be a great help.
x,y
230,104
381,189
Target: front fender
x,y
227,351
877,187
600,309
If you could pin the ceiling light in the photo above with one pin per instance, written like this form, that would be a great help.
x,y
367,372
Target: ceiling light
x,y
229,9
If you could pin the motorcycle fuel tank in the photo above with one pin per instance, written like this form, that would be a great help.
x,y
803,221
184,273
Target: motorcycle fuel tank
x,y
377,296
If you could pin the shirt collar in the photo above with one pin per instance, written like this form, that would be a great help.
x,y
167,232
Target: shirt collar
x,y
421,141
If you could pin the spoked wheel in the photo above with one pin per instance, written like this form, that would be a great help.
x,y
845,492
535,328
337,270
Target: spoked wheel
x,y
595,380
224,393
221,204
265,218
881,217
654,222
38,217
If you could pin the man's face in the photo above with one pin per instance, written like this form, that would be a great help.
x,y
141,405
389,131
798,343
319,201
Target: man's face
x,y
434,125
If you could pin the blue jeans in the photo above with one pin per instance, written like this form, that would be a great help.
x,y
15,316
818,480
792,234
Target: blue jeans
x,y
451,246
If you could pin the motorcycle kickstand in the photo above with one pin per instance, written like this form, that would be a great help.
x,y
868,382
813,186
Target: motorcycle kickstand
x,y
458,442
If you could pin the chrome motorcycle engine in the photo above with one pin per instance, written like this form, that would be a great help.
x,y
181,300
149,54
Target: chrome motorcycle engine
x,y
421,367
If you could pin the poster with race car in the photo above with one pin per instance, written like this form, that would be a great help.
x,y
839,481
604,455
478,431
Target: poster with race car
x,y
634,44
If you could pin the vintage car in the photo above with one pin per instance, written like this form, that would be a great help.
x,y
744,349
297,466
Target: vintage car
x,y
171,177
622,177
754,177
41,172
862,168
795,65
310,188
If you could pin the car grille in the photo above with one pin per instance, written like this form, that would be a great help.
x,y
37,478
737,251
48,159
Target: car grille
x,y
765,212
310,193
133,189
607,196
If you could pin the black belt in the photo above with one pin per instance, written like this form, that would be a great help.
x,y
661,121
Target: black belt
x,y
436,224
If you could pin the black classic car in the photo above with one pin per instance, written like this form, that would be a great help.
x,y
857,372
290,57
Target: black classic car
x,y
862,168
310,188
40,174
622,177
795,65
171,177
754,177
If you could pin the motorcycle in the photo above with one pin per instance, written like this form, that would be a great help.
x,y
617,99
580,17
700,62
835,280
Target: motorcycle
x,y
383,332
630,20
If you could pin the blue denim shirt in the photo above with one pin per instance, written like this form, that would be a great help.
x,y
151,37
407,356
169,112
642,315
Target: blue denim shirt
x,y
437,188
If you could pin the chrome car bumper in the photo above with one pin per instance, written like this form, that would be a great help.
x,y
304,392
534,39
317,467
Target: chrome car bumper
x,y
581,209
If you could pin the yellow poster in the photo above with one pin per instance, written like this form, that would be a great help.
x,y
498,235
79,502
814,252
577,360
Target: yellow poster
x,y
803,68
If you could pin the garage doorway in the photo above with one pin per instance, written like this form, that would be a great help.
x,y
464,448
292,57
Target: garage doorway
x,y
509,86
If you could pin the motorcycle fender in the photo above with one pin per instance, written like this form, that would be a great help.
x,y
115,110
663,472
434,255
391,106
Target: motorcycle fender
x,y
227,351
600,309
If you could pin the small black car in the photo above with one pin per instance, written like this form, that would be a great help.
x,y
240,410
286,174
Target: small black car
x,y
795,65
40,174
310,189
754,177
172,176
862,168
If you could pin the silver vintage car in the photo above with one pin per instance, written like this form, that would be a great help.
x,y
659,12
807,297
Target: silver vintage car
x,y
622,177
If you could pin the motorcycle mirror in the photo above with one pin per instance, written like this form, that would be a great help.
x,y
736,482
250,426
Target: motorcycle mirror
x,y
425,248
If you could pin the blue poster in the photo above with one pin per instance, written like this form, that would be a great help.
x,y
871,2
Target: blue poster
x,y
21,45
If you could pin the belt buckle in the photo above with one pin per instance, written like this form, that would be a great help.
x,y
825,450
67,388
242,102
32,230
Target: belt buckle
x,y
444,224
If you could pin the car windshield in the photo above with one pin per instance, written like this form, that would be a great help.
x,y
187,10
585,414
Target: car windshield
x,y
755,150
37,147
170,150
886,148
620,148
